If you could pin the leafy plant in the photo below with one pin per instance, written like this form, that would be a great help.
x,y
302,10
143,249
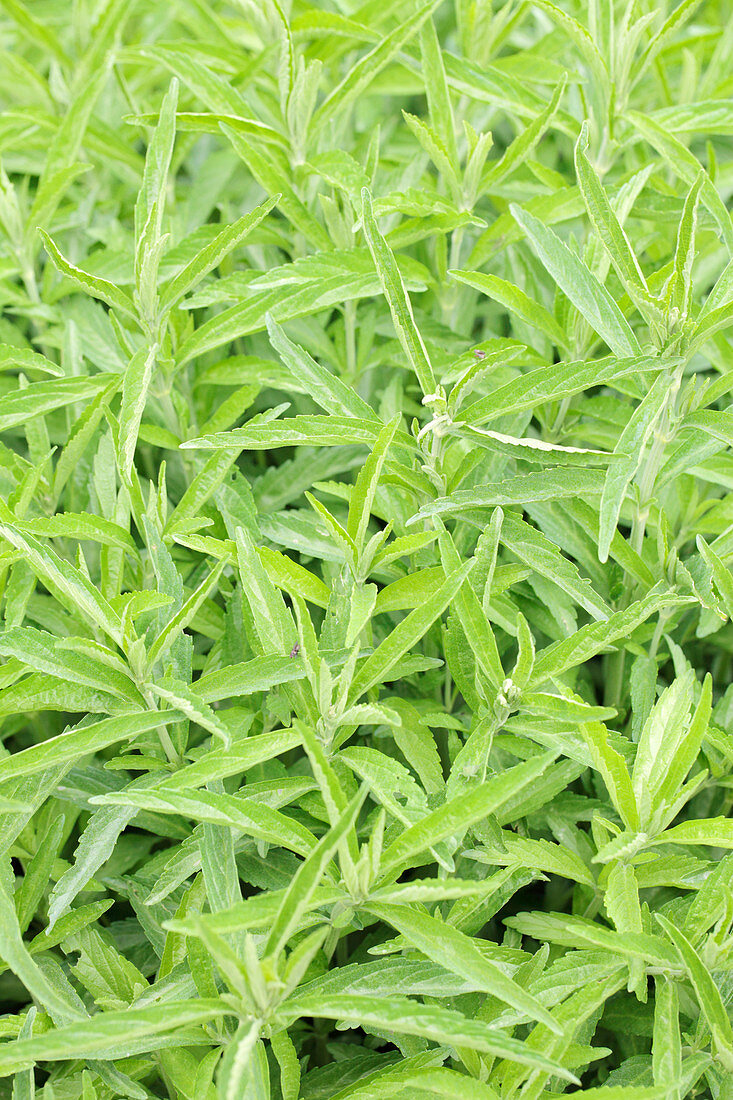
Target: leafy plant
x,y
365,550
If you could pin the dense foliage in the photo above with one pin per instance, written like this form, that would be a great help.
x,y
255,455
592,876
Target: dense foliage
x,y
366,512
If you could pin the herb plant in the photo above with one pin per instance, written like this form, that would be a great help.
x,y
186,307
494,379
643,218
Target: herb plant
x,y
366,513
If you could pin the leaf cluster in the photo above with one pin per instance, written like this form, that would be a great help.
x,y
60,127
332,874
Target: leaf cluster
x,y
366,605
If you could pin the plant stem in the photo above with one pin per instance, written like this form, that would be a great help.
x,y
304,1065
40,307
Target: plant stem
x,y
350,339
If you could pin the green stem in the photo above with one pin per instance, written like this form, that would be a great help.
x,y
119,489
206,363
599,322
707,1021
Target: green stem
x,y
163,736
350,339
28,275
562,412
454,261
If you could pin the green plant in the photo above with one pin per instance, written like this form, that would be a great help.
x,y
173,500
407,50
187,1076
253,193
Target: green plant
x,y
365,529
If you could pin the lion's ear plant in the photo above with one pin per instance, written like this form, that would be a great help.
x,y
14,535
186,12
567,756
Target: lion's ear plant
x,y
366,531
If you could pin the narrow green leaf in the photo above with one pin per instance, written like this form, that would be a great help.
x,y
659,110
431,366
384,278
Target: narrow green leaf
x,y
80,526
524,143
308,877
599,637
273,621
151,196
669,745
714,831
301,431
362,497
707,992
397,299
27,360
609,229
722,576
259,674
685,165
238,758
61,577
81,741
90,284
325,388
461,812
522,489
135,386
588,296
552,383
361,75
122,1033
249,817
436,89
95,847
39,398
613,768
183,617
515,300
406,1017
666,1044
458,954
629,452
539,553
412,628
14,952
213,253
679,293
575,932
